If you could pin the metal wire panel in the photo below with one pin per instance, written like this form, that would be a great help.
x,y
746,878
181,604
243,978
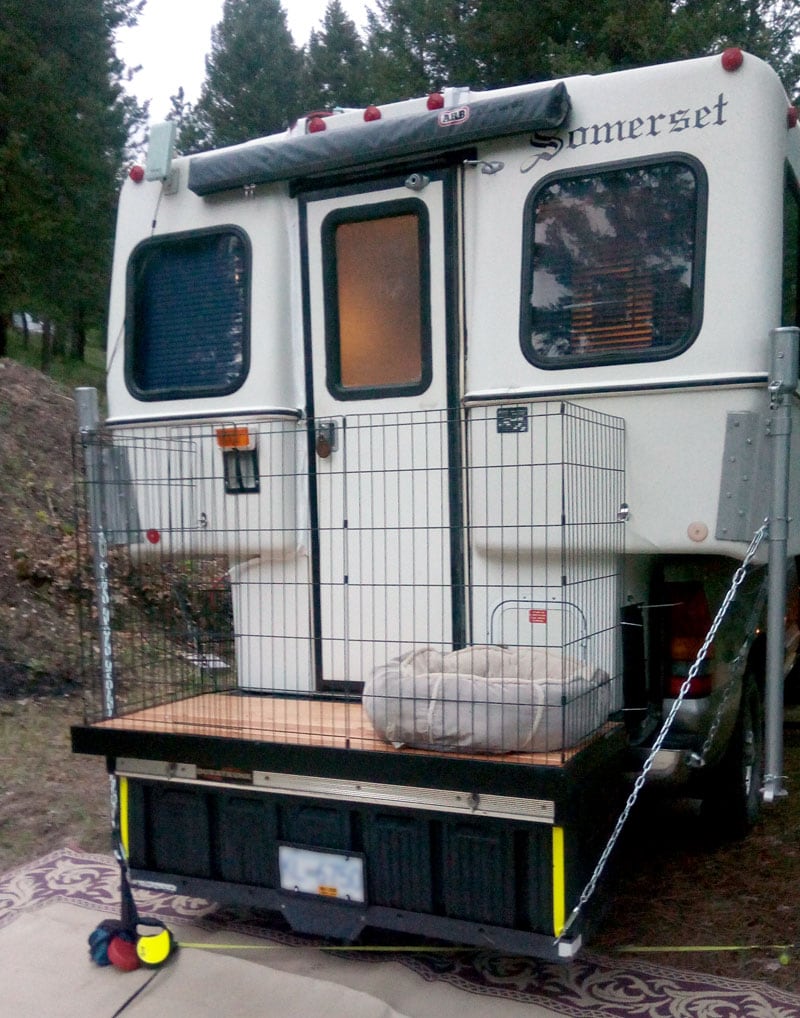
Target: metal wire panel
x,y
446,581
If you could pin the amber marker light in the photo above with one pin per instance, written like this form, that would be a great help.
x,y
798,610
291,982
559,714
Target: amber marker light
x,y
236,437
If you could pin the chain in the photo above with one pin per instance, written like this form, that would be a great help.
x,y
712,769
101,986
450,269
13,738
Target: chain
x,y
738,579
698,759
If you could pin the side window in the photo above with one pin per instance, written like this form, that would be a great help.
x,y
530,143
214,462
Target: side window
x,y
188,312
791,261
612,264
377,300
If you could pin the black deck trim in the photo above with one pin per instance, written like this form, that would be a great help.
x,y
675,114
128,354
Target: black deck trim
x,y
492,777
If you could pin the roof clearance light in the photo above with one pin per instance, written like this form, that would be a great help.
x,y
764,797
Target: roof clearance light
x,y
791,117
435,101
234,438
372,113
315,125
732,58
136,173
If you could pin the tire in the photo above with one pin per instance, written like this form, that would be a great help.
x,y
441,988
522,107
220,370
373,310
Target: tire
x,y
732,801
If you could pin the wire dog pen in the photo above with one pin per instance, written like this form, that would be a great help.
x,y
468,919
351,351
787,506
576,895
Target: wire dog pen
x,y
438,581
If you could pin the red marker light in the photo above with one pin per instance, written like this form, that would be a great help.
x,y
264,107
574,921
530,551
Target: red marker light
x,y
136,173
732,58
435,101
153,536
372,113
315,125
791,117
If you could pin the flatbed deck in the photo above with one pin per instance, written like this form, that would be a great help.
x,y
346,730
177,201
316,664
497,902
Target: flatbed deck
x,y
317,722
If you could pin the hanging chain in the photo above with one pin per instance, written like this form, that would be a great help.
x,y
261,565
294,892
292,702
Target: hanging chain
x,y
738,579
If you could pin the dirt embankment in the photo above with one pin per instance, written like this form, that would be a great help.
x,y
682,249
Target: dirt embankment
x,y
39,585
48,797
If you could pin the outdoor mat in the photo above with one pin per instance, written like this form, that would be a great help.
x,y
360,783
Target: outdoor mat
x,y
590,985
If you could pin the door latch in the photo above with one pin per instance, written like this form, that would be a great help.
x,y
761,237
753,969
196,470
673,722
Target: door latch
x,y
326,439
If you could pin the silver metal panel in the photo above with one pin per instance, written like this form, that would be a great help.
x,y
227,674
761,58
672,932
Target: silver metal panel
x,y
130,767
744,488
120,514
406,796
442,800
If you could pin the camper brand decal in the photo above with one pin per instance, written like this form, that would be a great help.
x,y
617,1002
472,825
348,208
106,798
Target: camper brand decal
x,y
610,132
447,118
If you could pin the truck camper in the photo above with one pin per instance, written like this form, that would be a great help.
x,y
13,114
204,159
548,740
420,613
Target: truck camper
x,y
438,434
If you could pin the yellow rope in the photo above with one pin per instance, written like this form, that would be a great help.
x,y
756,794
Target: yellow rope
x,y
422,949
684,949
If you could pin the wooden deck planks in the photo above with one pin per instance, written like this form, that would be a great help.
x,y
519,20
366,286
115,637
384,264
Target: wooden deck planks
x,y
298,722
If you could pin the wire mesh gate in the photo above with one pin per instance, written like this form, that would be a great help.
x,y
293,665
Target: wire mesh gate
x,y
438,580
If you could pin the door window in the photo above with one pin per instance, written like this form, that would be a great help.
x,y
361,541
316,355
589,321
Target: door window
x,y
377,300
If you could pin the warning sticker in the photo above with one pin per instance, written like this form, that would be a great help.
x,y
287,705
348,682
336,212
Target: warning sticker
x,y
537,615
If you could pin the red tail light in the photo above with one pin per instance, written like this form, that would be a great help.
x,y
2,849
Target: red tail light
x,y
689,623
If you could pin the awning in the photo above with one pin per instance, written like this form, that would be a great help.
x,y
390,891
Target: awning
x,y
380,142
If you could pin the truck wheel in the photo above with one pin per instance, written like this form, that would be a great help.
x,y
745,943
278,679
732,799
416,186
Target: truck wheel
x,y
732,802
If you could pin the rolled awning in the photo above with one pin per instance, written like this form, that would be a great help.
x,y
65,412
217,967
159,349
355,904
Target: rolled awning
x,y
429,132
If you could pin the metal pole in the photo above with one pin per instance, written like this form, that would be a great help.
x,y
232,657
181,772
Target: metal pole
x,y
782,384
89,428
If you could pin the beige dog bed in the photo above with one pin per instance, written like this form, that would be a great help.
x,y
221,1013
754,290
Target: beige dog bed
x,y
487,699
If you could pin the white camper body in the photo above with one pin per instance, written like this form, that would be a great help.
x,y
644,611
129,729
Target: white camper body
x,y
416,376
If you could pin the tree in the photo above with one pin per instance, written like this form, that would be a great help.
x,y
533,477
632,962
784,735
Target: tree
x,y
335,66
193,132
253,74
63,128
417,45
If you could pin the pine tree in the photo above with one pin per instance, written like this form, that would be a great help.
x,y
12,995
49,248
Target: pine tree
x,y
63,129
335,68
253,74
416,45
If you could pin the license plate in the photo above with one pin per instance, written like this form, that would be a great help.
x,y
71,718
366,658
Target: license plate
x,y
327,874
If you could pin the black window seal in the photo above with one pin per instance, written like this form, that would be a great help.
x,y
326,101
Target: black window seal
x,y
184,392
698,265
359,214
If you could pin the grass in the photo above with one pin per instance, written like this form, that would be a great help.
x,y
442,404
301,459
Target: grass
x,y
49,797
66,371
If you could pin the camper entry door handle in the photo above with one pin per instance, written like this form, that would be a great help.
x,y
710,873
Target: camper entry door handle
x,y
326,438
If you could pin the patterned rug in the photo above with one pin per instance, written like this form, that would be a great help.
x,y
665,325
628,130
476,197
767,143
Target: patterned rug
x,y
591,985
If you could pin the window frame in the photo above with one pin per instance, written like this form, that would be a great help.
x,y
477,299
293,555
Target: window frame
x,y
184,391
600,359
391,208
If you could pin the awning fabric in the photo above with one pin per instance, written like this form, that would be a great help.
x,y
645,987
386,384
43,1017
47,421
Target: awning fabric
x,y
382,141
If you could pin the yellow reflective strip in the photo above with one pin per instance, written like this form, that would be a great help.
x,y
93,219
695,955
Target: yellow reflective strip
x,y
559,896
123,816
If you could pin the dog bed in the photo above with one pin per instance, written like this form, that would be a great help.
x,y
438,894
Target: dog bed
x,y
486,699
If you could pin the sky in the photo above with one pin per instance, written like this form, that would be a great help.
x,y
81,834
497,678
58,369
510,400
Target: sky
x,y
173,37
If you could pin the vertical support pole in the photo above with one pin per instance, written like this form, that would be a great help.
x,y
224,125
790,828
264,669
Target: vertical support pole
x,y
89,428
782,384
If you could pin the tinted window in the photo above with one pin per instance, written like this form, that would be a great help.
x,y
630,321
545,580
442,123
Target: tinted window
x,y
611,265
188,308
791,263
377,300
